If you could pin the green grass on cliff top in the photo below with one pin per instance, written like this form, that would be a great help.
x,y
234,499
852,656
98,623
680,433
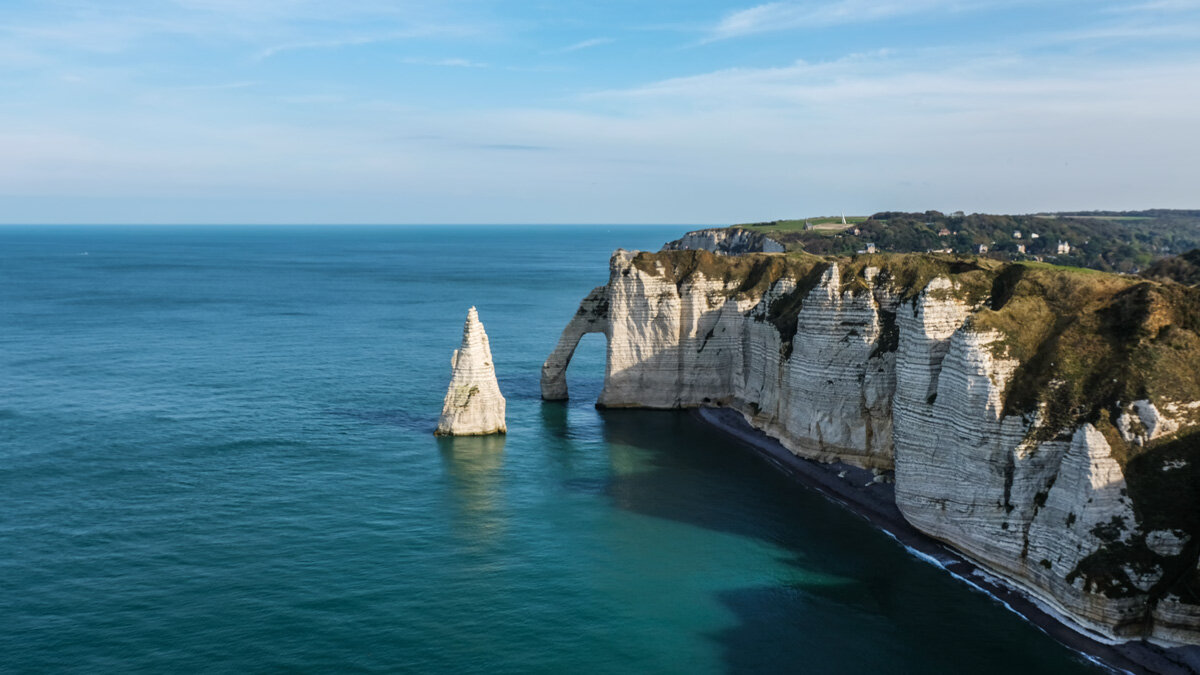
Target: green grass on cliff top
x,y
1128,242
820,224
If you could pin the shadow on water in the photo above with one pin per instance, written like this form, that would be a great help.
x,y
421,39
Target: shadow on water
x,y
473,464
422,422
554,418
849,599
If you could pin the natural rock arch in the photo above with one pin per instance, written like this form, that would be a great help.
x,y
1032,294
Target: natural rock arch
x,y
592,317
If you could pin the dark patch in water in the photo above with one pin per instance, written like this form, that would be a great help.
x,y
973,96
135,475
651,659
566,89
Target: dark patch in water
x,y
424,422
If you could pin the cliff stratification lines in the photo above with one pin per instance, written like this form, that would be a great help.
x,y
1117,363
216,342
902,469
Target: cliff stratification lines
x,y
473,405
1044,421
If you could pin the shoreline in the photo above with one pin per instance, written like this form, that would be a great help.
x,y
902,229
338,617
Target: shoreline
x,y
855,489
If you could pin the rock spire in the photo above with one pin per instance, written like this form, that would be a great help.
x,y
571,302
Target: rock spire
x,y
473,404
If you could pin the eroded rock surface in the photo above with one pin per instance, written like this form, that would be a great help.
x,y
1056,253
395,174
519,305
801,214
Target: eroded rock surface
x,y
473,405
725,241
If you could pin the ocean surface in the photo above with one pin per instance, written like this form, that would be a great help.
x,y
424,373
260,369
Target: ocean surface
x,y
216,456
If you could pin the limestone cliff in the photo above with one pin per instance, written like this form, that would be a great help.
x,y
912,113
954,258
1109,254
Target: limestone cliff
x,y
726,241
473,405
1044,422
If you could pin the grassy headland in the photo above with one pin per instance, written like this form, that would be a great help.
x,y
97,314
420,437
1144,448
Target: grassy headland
x,y
1110,241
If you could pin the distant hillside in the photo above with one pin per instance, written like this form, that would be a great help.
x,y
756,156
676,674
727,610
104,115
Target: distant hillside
x,y
1127,241
1184,268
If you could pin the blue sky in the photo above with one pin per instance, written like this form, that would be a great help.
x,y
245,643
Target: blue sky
x,y
481,111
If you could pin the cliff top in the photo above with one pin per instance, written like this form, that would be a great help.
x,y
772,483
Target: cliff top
x,y
1103,240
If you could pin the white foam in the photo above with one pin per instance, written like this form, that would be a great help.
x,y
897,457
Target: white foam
x,y
998,582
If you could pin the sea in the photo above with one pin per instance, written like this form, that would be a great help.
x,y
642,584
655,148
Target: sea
x,y
216,455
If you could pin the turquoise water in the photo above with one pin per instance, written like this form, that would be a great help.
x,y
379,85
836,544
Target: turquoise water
x,y
216,455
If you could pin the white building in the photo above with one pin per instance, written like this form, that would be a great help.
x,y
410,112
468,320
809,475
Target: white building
x,y
1064,248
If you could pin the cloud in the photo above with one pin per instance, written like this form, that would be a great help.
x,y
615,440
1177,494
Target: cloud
x,y
896,90
585,44
774,16
217,87
365,39
269,27
1156,6
793,15
445,63
512,147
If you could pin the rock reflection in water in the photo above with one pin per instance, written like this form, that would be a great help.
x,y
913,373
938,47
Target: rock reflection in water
x,y
473,465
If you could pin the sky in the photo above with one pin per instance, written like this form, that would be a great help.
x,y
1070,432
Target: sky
x,y
613,111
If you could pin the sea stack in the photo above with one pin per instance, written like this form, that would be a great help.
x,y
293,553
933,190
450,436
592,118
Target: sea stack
x,y
473,405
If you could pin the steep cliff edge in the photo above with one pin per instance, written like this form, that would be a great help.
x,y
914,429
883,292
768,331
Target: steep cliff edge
x,y
1043,421
726,241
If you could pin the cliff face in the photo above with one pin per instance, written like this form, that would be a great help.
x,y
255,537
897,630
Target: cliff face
x,y
726,241
473,405
1042,421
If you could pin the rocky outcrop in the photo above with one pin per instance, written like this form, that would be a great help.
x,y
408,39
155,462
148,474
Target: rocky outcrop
x,y
1045,423
473,405
591,317
725,241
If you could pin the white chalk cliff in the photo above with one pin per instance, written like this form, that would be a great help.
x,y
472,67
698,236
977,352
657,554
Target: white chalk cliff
x,y
725,241
877,366
473,404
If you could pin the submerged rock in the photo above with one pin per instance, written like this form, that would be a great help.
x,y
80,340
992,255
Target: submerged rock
x,y
473,404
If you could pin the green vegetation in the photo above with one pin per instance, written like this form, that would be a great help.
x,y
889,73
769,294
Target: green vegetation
x,y
820,224
1184,268
1164,489
752,274
1164,484
1110,241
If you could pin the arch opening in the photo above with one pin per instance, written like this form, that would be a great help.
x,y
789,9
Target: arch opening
x,y
591,317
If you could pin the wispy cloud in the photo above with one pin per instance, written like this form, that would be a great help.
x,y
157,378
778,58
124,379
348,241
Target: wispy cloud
x,y
268,27
1155,6
366,39
924,84
334,43
217,87
793,14
1124,32
774,16
584,44
445,63
512,147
